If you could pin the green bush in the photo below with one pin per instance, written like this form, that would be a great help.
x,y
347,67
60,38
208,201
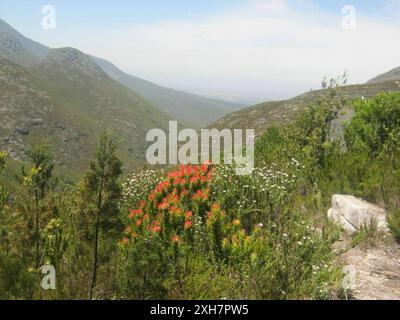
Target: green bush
x,y
217,223
394,224
204,232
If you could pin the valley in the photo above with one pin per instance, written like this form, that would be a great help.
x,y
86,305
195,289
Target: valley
x,y
307,207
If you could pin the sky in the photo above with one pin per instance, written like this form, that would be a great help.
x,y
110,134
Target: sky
x,y
242,50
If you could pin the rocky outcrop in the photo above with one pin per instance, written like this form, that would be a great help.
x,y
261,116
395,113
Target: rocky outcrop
x,y
352,214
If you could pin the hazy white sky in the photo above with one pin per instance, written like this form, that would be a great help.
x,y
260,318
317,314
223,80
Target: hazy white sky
x,y
257,50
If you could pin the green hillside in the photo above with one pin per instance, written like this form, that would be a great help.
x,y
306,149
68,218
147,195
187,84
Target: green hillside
x,y
197,232
194,110
262,116
67,100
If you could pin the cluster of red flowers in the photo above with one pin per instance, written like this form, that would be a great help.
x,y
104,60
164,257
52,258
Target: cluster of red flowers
x,y
168,210
180,203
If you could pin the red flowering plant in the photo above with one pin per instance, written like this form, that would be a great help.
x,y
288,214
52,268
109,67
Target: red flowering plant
x,y
205,220
179,206
168,211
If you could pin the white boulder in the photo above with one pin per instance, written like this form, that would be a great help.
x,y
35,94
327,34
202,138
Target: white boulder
x,y
353,214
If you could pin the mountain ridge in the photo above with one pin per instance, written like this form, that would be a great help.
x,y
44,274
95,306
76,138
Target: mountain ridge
x,y
179,105
391,75
67,100
31,52
264,115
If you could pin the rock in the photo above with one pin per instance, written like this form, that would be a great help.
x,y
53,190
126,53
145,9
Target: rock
x,y
22,131
37,122
14,154
60,126
353,214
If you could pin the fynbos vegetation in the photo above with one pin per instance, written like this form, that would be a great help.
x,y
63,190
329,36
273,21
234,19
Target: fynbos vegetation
x,y
116,188
201,232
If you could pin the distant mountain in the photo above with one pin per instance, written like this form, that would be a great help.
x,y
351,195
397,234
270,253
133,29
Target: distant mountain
x,y
264,115
392,75
191,109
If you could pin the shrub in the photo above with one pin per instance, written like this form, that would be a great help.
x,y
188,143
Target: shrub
x,y
394,224
375,125
238,230
366,235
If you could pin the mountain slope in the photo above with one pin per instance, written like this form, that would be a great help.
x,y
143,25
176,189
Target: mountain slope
x,y
260,117
22,105
18,48
194,110
391,75
67,100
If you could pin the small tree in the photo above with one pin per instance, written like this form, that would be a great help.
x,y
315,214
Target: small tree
x,y
3,191
38,180
101,194
3,156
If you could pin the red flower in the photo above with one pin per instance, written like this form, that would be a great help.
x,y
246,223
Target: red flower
x,y
188,224
175,210
174,175
138,222
142,204
152,196
189,214
194,179
172,199
135,213
176,239
200,195
163,206
184,193
204,168
162,186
